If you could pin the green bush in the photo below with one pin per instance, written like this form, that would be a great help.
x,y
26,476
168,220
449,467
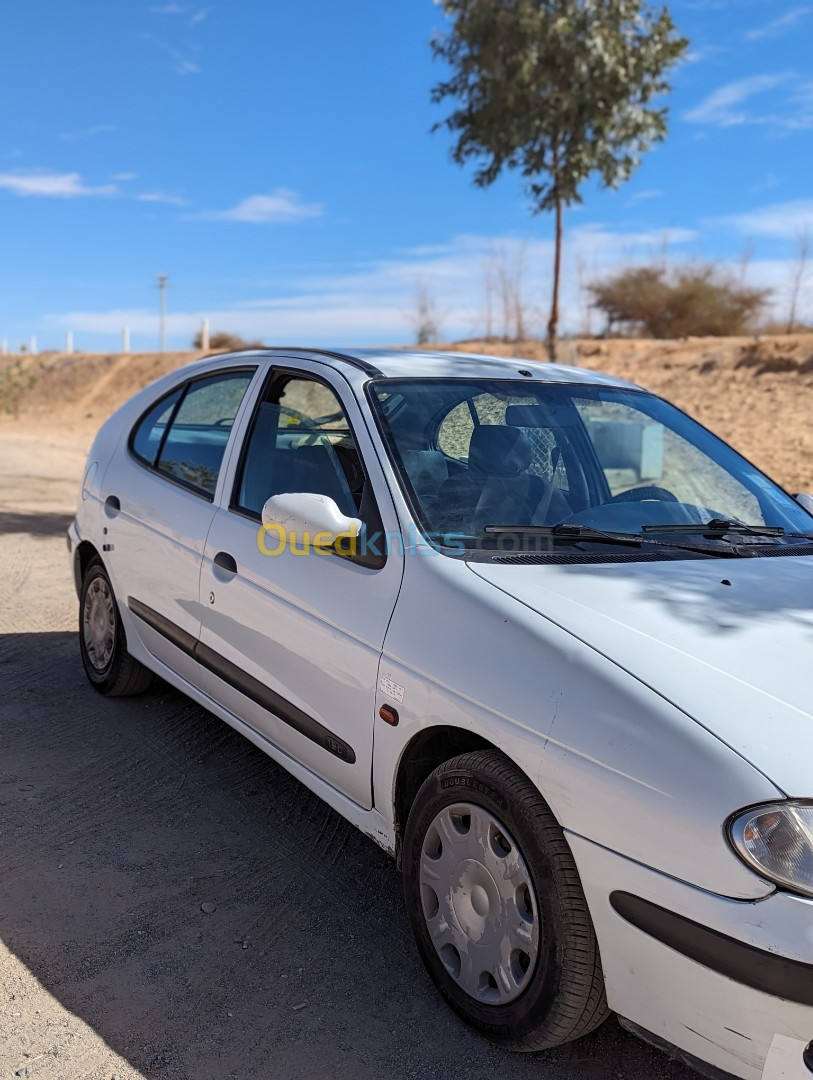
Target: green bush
x,y
15,382
696,301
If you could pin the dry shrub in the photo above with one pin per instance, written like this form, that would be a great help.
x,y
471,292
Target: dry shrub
x,y
222,341
688,301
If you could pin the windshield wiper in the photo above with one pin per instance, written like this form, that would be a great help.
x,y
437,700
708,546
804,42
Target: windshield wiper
x,y
564,531
715,529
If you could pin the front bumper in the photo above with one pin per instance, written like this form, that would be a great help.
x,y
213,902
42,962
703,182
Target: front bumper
x,y
730,983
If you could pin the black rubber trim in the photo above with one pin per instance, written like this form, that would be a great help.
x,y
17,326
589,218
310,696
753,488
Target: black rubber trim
x,y
301,351
245,684
767,972
185,642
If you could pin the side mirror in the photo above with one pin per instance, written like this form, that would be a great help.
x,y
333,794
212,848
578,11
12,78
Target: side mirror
x,y
805,501
308,520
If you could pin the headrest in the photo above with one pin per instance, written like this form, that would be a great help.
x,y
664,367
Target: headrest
x,y
499,451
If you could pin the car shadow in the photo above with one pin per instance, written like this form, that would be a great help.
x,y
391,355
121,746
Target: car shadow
x,y
207,916
33,523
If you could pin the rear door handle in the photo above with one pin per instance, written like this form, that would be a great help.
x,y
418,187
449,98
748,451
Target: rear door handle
x,y
225,562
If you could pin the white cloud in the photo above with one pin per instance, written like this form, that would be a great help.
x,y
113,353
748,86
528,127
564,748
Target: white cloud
x,y
282,205
780,220
87,133
644,196
778,26
125,176
162,197
52,185
183,65
720,107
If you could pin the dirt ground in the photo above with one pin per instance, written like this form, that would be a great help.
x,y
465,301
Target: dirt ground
x,y
120,819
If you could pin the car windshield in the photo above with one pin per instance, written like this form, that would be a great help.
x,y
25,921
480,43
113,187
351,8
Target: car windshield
x,y
475,454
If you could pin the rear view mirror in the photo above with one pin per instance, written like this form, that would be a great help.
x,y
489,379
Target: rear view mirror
x,y
309,520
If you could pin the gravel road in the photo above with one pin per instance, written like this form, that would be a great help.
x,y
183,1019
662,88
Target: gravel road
x,y
172,903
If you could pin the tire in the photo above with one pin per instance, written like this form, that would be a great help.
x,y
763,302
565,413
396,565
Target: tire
x,y
109,667
547,987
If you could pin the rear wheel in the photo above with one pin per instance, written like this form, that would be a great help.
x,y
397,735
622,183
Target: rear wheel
x,y
497,908
109,667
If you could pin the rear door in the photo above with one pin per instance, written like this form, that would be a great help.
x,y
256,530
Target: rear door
x,y
292,639
159,503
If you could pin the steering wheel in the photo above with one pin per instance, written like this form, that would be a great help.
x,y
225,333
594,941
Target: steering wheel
x,y
640,494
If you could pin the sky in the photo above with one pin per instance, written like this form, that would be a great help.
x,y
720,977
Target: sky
x,y
276,161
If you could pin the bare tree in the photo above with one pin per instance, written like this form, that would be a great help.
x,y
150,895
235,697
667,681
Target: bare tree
x,y
425,317
586,327
746,255
488,295
509,270
798,274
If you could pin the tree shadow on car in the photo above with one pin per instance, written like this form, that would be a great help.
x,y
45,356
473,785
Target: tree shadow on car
x,y
206,915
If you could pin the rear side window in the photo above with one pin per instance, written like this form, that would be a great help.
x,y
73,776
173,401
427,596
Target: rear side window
x,y
186,433
150,431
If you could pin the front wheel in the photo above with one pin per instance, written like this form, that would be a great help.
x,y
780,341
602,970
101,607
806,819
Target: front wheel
x,y
109,667
497,908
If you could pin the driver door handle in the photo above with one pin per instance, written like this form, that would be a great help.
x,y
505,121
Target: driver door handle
x,y
225,562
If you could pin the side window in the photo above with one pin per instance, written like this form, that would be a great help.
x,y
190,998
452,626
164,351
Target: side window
x,y
193,446
300,441
150,430
455,431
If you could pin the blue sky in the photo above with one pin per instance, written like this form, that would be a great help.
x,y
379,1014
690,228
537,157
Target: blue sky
x,y
275,159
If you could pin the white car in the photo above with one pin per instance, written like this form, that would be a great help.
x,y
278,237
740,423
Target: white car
x,y
532,629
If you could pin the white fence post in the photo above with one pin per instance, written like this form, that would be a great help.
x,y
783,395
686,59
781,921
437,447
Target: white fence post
x,y
4,347
204,334
32,346
125,339
69,341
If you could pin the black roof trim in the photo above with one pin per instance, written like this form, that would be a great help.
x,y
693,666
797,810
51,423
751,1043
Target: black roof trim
x,y
355,361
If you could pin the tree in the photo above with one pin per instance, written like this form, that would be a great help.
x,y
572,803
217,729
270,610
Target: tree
x,y
697,301
798,274
425,317
558,89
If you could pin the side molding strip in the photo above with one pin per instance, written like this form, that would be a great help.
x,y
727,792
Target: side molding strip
x,y
245,684
768,972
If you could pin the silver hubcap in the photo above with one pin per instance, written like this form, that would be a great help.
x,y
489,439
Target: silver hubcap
x,y
479,904
99,623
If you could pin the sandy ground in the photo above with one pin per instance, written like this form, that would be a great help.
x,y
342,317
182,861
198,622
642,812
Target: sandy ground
x,y
119,819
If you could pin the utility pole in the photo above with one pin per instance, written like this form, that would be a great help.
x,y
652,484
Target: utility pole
x,y
163,281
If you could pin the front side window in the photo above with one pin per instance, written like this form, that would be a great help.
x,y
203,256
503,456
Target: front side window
x,y
185,434
300,441
477,456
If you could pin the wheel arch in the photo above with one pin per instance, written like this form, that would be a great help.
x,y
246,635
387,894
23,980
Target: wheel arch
x,y
423,753
85,551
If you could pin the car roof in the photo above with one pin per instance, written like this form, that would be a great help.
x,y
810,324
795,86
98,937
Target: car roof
x,y
425,363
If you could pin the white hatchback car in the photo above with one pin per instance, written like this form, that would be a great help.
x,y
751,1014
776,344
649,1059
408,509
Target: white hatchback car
x,y
533,630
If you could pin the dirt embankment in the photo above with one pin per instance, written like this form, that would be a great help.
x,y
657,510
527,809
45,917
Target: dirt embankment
x,y
756,393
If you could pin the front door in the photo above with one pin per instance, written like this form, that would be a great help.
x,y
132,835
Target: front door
x,y
291,640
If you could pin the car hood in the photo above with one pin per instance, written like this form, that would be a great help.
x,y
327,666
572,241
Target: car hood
x,y
728,641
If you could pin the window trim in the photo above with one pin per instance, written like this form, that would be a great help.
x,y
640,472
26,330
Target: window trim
x,y
373,562
184,388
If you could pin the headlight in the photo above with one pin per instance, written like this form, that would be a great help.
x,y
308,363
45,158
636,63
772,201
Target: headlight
x,y
777,841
